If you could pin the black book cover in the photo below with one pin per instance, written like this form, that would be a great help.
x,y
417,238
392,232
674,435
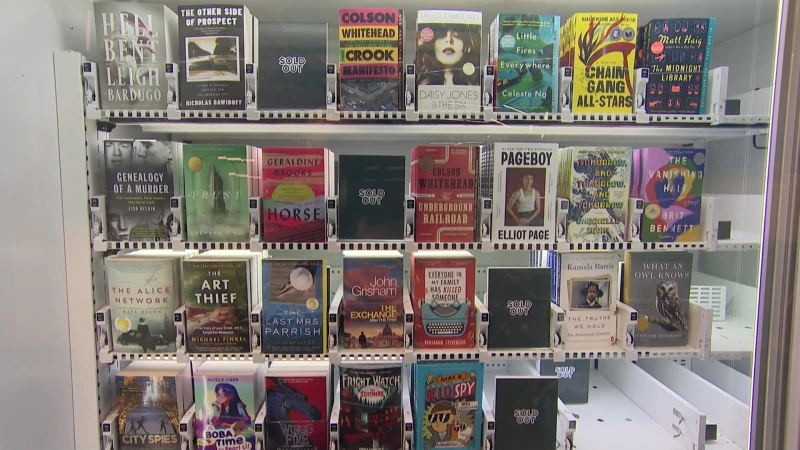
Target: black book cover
x,y
573,379
519,306
291,65
371,195
526,413
371,411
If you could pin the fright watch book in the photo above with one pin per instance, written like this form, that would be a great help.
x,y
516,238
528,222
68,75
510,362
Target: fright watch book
x,y
371,413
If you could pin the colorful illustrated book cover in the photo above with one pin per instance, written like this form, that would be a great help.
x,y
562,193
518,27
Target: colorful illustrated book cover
x,y
371,75
524,52
657,285
573,379
526,411
443,295
135,40
294,306
217,299
449,414
519,306
148,411
672,189
297,412
448,61
443,182
225,405
372,192
371,414
217,190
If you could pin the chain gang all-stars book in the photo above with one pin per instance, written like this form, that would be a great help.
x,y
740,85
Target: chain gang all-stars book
x,y
518,299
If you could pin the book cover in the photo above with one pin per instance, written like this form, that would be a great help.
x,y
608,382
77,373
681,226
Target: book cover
x,y
448,61
524,52
371,75
448,406
225,403
443,182
372,193
672,189
297,412
217,299
526,411
443,295
217,191
292,60
371,414
573,379
657,285
135,41
294,306
519,307
216,41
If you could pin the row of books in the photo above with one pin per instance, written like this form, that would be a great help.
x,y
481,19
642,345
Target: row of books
x,y
212,45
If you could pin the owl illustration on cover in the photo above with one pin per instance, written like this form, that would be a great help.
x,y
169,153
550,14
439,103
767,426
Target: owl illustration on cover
x,y
668,304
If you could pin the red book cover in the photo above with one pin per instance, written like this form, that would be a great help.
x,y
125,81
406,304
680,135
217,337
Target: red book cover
x,y
297,412
443,295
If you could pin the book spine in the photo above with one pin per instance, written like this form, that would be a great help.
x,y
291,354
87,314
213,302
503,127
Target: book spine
x,y
707,64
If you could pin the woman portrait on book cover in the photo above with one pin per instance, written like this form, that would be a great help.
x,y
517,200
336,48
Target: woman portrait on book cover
x,y
524,204
449,55
228,410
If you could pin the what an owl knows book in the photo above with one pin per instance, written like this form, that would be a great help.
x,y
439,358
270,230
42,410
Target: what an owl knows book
x,y
297,405
371,413
657,286
526,411
519,306
372,193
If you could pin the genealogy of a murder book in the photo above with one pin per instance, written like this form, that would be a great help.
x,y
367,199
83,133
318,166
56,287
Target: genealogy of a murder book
x,y
371,75
372,193
294,306
216,41
601,48
444,185
443,295
448,61
297,405
518,299
596,181
140,176
227,397
526,412
657,286
135,40
523,48
670,181
678,54
373,299
292,60
152,397
371,412
573,379
294,185
447,403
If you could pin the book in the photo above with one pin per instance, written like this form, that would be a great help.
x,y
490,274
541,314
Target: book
x,y
294,307
227,397
135,41
657,286
670,181
526,411
140,178
217,191
443,295
371,412
216,42
372,193
371,75
152,397
373,299
596,180
292,60
518,299
448,61
448,408
573,379
297,405
600,47
523,48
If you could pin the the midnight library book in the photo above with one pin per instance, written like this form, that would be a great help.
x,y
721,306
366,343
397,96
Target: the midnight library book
x,y
371,414
573,379
135,40
292,57
526,412
216,41
371,197
297,407
518,299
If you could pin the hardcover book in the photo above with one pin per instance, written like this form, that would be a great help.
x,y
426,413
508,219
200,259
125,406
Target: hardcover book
x,y
443,295
297,407
519,307
371,414
371,75
524,52
216,41
372,193
448,61
135,41
449,414
292,60
294,307
573,379
526,411
657,285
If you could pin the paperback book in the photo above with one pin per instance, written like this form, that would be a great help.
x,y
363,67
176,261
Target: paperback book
x,y
519,307
371,413
297,407
573,379
372,193
526,411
